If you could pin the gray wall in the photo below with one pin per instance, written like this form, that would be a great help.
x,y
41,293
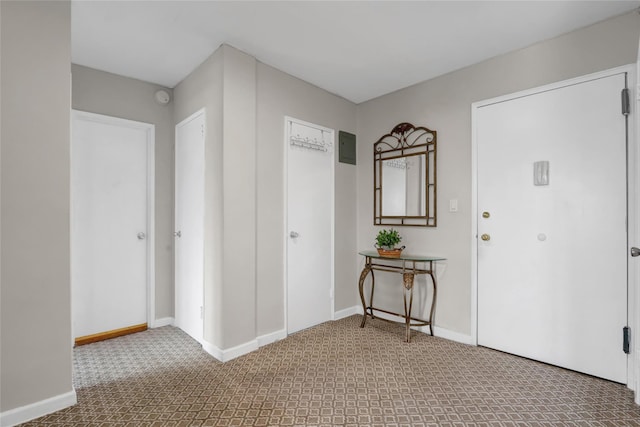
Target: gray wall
x,y
203,89
112,95
35,312
279,95
444,104
239,198
246,102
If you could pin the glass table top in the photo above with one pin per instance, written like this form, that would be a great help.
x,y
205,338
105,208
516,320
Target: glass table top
x,y
404,256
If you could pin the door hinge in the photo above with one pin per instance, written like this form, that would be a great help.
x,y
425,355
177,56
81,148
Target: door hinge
x,y
626,105
626,339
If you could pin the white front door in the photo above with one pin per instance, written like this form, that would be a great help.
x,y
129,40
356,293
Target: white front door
x,y
189,225
110,233
552,269
309,224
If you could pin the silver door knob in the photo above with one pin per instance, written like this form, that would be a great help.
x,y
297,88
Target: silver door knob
x,y
141,236
293,234
635,252
177,233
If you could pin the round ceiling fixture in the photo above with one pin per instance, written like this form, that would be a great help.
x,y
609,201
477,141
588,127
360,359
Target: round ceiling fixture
x,y
162,97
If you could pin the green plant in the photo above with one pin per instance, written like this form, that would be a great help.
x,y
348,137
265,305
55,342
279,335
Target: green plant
x,y
388,238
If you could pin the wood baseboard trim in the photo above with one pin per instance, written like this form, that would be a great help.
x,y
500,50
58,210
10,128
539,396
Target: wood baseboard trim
x,y
88,339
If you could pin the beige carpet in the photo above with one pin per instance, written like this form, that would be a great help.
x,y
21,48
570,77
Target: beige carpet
x,y
334,374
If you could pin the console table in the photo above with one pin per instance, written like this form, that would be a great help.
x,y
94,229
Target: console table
x,y
405,265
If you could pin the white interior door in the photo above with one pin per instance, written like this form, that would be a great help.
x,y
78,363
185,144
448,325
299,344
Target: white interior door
x,y
189,225
309,224
552,279
110,229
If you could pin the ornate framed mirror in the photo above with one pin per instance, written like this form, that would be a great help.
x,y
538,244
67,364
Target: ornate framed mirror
x,y
404,177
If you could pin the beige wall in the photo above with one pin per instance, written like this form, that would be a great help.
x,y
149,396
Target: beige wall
x,y
112,95
203,89
280,95
239,198
35,312
246,102
444,104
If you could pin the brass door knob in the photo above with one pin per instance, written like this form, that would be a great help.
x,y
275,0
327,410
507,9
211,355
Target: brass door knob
x,y
485,237
486,214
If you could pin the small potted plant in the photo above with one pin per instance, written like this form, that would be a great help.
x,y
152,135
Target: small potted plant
x,y
386,242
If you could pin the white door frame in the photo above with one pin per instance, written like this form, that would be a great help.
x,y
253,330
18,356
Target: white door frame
x,y
634,228
285,176
150,240
633,208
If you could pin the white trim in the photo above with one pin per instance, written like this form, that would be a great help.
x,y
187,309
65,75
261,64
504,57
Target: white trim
x,y
151,224
285,225
341,314
285,169
634,239
437,330
212,350
633,366
272,337
164,321
35,410
242,349
230,353
553,86
451,335
151,141
474,227
633,230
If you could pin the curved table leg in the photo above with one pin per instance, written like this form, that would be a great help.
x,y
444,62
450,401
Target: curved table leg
x,y
363,276
433,301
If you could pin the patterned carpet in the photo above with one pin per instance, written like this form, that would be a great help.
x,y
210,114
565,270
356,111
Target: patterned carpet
x,y
335,374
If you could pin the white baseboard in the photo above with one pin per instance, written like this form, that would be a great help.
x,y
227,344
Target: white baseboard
x,y
230,353
437,330
452,335
212,350
271,337
341,314
242,349
35,410
165,321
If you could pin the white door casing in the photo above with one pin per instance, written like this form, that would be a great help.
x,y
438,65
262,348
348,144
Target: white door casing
x,y
551,281
112,223
309,224
189,225
634,230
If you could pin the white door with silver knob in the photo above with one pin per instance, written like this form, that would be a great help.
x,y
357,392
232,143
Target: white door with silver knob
x,y
111,244
189,225
310,224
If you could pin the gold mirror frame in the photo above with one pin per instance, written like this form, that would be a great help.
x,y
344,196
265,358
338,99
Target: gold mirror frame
x,y
403,146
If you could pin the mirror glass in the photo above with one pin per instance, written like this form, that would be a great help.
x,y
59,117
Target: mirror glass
x,y
404,172
403,186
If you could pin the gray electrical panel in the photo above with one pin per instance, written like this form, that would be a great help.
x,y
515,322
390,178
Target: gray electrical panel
x,y
346,147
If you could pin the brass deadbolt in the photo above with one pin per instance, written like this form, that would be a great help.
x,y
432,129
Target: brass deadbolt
x,y
485,237
485,214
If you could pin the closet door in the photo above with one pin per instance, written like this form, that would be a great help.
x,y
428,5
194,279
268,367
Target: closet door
x,y
189,225
309,224
111,187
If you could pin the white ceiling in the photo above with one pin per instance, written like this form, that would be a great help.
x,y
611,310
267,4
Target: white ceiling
x,y
356,49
